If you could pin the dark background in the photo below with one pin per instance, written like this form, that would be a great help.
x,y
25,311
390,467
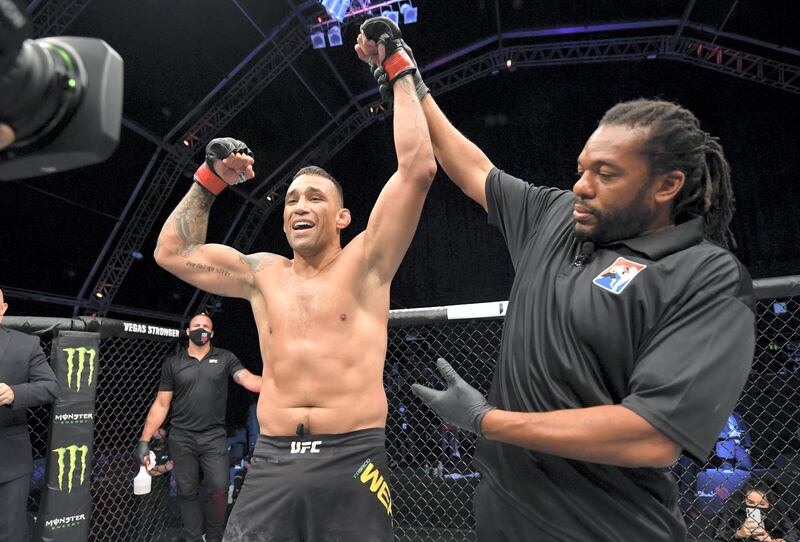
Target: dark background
x,y
531,122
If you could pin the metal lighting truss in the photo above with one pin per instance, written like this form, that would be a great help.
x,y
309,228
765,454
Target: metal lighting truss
x,y
51,18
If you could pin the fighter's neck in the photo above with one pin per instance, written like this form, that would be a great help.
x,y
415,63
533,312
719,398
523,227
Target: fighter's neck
x,y
311,264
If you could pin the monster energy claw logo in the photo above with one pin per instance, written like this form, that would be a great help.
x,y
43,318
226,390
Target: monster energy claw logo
x,y
82,355
70,453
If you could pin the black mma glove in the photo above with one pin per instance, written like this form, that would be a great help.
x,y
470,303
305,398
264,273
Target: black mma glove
x,y
385,87
399,59
218,149
142,452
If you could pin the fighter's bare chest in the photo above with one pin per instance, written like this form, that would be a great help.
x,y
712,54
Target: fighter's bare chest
x,y
299,303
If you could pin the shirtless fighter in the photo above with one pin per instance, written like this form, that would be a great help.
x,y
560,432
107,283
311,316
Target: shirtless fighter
x,y
319,471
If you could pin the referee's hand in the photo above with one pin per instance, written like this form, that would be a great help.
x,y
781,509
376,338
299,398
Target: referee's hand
x,y
460,404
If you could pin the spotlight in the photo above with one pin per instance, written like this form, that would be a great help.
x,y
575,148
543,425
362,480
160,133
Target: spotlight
x,y
136,255
318,40
393,15
336,8
409,13
101,292
334,36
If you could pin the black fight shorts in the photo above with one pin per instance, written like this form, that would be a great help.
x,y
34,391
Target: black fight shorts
x,y
317,488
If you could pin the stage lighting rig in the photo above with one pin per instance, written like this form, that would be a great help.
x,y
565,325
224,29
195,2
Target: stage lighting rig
x,y
343,12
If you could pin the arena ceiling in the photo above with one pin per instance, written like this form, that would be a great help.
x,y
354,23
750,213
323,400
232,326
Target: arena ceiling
x,y
196,69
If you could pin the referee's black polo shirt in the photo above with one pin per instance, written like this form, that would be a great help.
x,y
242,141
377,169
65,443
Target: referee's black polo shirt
x,y
200,388
662,324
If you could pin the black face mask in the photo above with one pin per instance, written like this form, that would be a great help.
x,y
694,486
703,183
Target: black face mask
x,y
200,336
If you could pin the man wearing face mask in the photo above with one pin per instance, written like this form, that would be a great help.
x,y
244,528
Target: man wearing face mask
x,y
194,384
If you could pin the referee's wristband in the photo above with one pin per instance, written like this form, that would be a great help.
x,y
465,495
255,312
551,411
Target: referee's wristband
x,y
205,177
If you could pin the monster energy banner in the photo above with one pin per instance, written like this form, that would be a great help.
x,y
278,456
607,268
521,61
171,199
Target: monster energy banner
x,y
66,503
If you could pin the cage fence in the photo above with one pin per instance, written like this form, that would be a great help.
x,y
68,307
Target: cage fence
x,y
127,385
433,478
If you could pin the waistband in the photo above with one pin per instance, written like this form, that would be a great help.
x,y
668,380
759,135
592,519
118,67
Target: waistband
x,y
371,436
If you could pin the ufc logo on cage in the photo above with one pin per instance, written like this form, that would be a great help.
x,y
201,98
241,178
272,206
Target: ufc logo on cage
x,y
306,446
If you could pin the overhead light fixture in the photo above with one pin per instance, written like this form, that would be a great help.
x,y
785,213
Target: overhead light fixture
x,y
409,13
336,8
102,291
393,15
318,40
189,140
335,36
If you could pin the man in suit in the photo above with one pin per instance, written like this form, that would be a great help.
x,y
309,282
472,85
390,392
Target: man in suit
x,y
26,380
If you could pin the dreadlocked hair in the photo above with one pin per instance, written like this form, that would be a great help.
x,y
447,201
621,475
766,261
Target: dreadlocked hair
x,y
676,142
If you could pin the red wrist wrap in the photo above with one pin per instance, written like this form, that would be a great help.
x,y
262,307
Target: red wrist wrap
x,y
400,61
209,180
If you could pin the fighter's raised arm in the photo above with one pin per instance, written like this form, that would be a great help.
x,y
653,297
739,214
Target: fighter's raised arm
x,y
462,160
396,213
181,247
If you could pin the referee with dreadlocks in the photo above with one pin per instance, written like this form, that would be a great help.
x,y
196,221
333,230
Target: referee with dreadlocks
x,y
629,334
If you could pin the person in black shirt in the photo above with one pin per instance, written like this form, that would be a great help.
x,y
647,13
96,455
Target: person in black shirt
x,y
194,385
629,332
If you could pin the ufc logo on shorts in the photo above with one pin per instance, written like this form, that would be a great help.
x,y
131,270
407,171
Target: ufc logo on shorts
x,y
306,446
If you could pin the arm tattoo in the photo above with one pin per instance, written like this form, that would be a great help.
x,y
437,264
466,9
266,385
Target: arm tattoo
x,y
203,267
191,219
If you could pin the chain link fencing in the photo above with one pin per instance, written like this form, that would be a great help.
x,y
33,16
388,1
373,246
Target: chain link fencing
x,y
433,478
127,383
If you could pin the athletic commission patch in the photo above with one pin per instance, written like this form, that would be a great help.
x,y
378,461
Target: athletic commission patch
x,y
618,275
